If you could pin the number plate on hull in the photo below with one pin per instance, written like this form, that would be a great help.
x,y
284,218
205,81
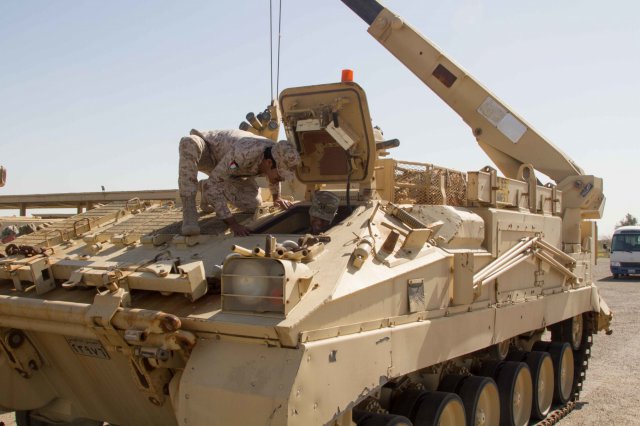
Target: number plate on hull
x,y
86,347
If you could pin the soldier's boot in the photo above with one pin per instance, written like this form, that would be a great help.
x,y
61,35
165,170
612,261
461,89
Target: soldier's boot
x,y
189,216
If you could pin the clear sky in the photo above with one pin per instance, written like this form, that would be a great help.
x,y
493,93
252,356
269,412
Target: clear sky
x,y
99,93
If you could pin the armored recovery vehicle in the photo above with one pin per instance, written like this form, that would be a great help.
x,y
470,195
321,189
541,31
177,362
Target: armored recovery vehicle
x,y
437,296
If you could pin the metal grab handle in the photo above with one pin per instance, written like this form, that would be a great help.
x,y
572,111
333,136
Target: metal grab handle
x,y
75,226
53,231
136,200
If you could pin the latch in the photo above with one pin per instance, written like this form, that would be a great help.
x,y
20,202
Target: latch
x,y
161,268
156,240
125,239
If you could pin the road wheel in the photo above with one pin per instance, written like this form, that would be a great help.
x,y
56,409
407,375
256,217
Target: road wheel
x,y
541,345
500,350
490,368
516,393
615,276
442,409
481,401
451,383
406,403
541,367
570,330
563,367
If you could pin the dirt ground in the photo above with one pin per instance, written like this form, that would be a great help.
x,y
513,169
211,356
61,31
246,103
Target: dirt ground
x,y
610,395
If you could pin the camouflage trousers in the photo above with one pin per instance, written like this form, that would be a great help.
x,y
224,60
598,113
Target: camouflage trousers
x,y
195,156
243,193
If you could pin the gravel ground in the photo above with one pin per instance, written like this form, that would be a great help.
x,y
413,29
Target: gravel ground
x,y
610,395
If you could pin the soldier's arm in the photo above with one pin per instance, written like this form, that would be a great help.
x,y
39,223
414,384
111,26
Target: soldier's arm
x,y
275,190
275,195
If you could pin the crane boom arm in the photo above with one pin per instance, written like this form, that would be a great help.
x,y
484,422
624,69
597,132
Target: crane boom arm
x,y
505,137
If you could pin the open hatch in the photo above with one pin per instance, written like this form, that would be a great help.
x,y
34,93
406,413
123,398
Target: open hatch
x,y
331,127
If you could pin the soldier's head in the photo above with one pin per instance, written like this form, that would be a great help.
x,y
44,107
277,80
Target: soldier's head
x,y
280,161
322,211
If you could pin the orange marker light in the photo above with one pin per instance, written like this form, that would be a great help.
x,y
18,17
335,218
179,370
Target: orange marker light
x,y
347,76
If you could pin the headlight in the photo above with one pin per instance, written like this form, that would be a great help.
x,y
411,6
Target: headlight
x,y
616,264
262,284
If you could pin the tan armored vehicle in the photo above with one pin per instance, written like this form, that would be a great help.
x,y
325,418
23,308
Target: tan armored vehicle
x,y
428,301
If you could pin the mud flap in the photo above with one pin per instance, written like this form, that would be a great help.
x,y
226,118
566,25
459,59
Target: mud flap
x,y
604,318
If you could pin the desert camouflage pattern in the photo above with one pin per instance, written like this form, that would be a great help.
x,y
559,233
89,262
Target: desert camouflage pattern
x,y
230,158
324,205
286,157
243,193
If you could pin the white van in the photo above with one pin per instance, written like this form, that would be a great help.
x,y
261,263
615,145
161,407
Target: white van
x,y
625,251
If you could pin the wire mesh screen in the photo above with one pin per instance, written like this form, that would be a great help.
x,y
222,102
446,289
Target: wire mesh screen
x,y
422,183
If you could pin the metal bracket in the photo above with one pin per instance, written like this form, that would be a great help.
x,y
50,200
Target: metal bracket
x,y
416,239
77,232
151,380
161,268
163,276
156,240
197,279
125,239
20,352
75,279
98,318
415,293
342,135
34,270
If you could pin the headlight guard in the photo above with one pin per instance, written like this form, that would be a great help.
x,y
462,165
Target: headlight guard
x,y
263,284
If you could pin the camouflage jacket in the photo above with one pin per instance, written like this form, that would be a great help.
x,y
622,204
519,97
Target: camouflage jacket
x,y
236,154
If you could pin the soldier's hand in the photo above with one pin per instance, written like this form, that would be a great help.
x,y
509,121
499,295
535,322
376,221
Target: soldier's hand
x,y
239,230
281,202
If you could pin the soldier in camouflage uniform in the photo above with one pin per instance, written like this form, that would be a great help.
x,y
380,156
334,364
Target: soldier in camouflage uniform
x,y
322,211
231,158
